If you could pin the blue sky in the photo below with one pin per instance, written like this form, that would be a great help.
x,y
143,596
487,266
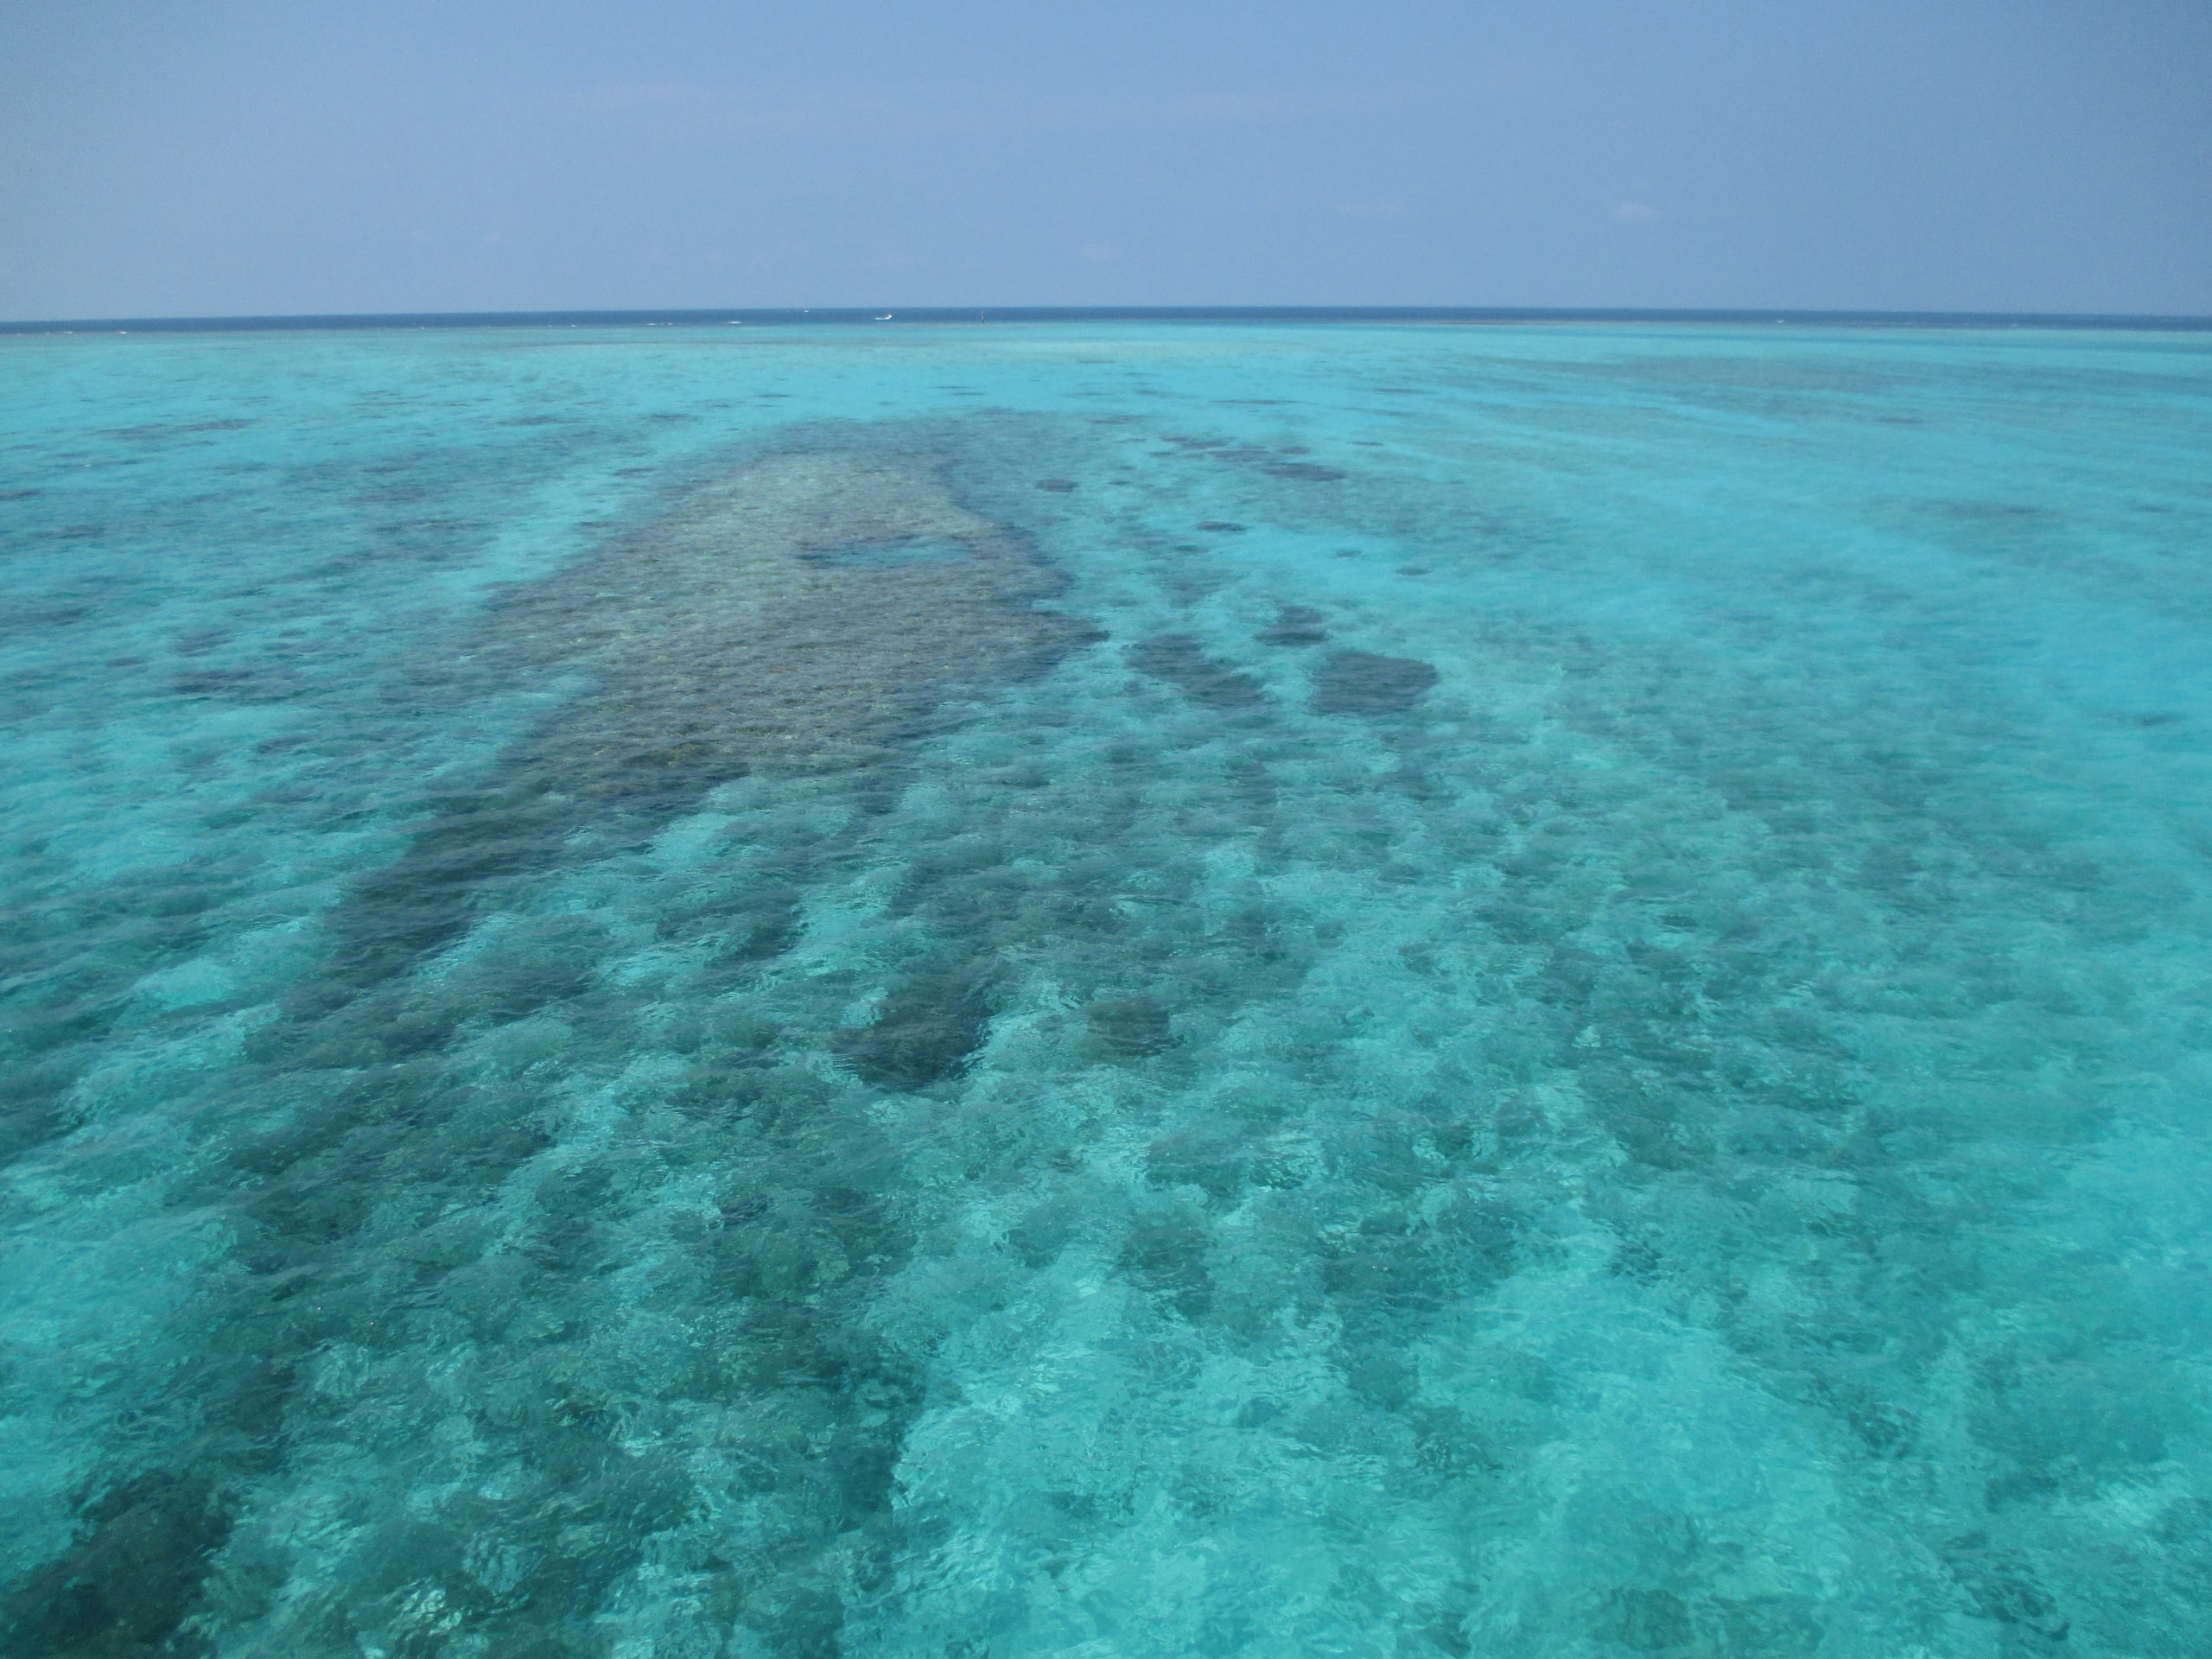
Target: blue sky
x,y
190,157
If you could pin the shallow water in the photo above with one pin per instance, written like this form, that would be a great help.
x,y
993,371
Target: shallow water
x,y
1108,991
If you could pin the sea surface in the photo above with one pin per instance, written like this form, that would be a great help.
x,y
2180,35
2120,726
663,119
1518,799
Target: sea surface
x,y
1112,991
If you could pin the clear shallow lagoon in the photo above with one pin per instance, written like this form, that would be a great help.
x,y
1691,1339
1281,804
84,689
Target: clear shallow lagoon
x,y
1108,991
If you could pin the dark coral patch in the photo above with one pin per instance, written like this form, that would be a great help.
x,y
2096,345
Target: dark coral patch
x,y
1130,1027
1298,625
927,1031
809,611
130,1581
1177,659
1362,683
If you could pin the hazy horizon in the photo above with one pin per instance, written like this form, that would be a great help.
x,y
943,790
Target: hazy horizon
x,y
1446,316
256,160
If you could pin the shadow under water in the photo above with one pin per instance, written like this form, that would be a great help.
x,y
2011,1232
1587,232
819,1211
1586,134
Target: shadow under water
x,y
804,614
809,611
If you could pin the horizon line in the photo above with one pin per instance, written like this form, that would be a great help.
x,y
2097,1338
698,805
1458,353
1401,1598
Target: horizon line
x,y
338,321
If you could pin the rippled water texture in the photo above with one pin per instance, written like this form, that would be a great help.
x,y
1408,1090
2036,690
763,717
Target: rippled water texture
x,y
1131,991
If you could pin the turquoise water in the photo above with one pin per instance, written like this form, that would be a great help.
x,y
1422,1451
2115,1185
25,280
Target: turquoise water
x,y
1108,991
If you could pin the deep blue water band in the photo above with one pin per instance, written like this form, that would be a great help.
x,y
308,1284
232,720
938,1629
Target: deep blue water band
x,y
1214,314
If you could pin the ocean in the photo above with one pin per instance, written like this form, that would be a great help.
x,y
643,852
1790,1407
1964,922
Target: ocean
x,y
1113,989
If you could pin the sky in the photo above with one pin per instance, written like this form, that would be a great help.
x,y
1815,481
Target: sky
x,y
257,157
